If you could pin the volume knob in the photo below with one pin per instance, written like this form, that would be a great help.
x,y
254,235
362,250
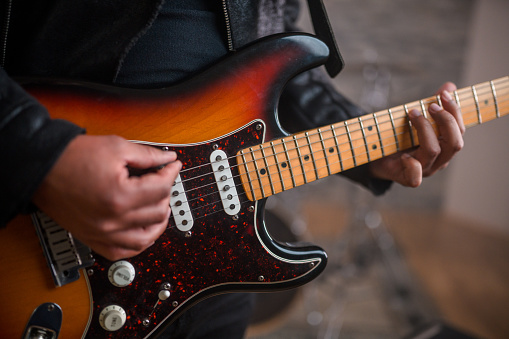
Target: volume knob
x,y
112,318
121,273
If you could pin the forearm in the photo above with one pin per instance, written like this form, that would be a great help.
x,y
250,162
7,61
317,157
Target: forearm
x,y
31,143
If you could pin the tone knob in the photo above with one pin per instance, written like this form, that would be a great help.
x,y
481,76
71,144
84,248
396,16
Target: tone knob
x,y
112,318
121,273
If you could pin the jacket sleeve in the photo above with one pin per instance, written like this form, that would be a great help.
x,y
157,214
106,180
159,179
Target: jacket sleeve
x,y
310,100
30,143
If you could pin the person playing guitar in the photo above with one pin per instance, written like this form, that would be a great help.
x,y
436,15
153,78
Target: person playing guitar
x,y
90,183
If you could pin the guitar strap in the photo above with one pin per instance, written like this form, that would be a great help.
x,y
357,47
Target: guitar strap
x,y
323,31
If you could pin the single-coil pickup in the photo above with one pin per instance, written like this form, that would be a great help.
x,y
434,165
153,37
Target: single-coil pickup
x,y
224,181
180,207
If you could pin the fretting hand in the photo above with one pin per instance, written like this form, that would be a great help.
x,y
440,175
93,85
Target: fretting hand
x,y
434,152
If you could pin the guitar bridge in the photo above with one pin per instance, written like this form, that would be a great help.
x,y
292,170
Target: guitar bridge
x,y
65,254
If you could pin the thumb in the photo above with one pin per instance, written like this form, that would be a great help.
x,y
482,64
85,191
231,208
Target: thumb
x,y
144,157
412,171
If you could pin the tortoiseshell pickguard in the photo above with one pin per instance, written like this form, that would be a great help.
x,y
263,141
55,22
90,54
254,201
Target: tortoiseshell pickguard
x,y
222,253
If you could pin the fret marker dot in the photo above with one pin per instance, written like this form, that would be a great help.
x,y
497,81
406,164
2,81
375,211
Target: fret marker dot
x,y
331,150
374,146
370,128
263,171
306,157
284,165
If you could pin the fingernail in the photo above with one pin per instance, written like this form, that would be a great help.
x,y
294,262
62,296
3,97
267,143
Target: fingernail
x,y
446,95
434,108
172,155
414,113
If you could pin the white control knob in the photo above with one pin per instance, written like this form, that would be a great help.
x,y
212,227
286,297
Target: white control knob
x,y
121,273
164,294
112,318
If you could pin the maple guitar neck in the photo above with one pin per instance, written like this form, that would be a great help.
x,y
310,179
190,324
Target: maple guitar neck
x,y
304,157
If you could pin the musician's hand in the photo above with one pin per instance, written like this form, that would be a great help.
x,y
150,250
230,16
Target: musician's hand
x,y
434,153
89,192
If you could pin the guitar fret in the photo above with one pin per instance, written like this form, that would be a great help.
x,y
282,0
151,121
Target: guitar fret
x,y
337,146
255,163
312,154
364,137
492,85
394,129
476,99
423,108
351,143
268,169
457,98
250,181
300,159
484,102
324,152
439,100
411,131
379,134
289,163
277,166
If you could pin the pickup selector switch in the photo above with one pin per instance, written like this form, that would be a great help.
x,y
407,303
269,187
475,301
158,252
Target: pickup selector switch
x,y
112,318
121,273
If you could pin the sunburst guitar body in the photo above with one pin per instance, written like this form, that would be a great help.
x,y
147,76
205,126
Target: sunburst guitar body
x,y
223,124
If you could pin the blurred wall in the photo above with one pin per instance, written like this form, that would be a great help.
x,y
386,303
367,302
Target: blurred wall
x,y
477,185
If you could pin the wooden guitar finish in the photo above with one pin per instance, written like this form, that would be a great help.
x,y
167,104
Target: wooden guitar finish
x,y
226,116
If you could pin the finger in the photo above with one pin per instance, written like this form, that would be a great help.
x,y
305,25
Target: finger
x,y
148,215
135,240
412,171
451,140
448,86
114,253
143,157
451,106
429,146
152,187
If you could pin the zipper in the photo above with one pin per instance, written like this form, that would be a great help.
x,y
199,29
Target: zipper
x,y
5,32
228,26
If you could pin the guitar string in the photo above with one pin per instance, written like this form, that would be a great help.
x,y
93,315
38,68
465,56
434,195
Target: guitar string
x,y
310,145
209,213
270,183
321,150
213,184
243,193
381,114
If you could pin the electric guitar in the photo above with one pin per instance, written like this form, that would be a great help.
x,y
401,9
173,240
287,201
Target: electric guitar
x,y
223,125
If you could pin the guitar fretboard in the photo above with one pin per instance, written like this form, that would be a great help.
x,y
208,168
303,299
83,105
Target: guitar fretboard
x,y
279,165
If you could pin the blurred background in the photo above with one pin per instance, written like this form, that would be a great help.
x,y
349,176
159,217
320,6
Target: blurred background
x,y
410,263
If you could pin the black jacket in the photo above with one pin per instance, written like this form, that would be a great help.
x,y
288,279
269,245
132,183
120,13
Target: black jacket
x,y
88,40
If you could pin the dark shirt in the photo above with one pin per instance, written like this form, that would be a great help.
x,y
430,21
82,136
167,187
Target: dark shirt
x,y
168,52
